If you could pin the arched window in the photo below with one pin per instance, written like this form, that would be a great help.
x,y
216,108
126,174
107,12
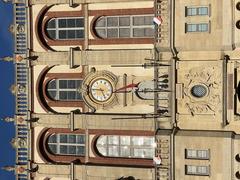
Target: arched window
x,y
126,146
125,26
64,89
67,144
66,28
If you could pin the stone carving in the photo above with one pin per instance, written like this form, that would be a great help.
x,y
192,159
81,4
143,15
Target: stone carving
x,y
8,119
20,28
18,143
21,89
208,77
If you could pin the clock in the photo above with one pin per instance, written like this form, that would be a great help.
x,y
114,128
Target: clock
x,y
101,90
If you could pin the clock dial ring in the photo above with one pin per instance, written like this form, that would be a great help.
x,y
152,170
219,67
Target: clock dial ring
x,y
100,90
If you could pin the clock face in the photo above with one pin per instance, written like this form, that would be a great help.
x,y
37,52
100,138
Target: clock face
x,y
101,90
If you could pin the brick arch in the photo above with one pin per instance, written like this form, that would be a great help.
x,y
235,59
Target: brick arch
x,y
41,87
97,160
55,103
39,92
40,28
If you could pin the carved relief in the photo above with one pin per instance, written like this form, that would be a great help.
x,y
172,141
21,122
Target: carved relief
x,y
201,90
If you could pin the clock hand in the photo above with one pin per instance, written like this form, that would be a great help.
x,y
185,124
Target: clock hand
x,y
103,94
97,89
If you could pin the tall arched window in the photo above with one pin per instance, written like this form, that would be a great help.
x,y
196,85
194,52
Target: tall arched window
x,y
64,89
126,146
67,144
66,28
137,26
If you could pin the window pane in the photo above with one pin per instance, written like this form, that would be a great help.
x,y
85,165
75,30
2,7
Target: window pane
x,y
112,21
124,32
71,34
52,139
203,11
51,34
138,32
101,22
192,11
71,95
72,139
113,140
191,27
80,150
79,33
78,83
125,151
71,84
125,140
63,149
112,33
203,27
138,20
71,149
52,94
80,139
102,150
63,95
137,140
63,138
51,24
149,153
53,148
62,34
101,33
113,151
149,32
78,95
102,140
124,21
63,84
80,22
52,84
71,23
139,153
148,141
148,20
62,23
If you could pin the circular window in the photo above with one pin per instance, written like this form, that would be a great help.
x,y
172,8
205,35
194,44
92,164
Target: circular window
x,y
199,91
238,6
238,24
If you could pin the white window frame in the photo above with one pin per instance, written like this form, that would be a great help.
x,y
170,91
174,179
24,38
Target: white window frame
x,y
197,10
198,27
131,27
197,154
58,89
197,170
58,144
133,147
57,28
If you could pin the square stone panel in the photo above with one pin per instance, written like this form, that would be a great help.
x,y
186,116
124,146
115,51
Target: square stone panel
x,y
202,87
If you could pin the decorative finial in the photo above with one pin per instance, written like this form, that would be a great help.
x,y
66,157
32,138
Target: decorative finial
x,y
13,89
8,168
11,29
7,1
7,58
8,119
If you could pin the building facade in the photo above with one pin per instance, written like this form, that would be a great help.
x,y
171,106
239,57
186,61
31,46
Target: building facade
x,y
103,93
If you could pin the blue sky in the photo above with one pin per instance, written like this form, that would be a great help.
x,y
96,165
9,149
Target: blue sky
x,y
7,103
